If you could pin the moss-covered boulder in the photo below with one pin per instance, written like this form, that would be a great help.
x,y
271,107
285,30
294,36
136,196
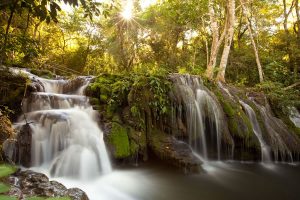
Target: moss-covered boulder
x,y
247,146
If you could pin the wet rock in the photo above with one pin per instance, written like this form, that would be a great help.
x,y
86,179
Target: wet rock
x,y
24,146
73,85
29,183
174,151
9,148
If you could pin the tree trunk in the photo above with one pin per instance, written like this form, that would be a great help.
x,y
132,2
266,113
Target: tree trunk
x,y
216,41
3,49
298,38
259,67
286,15
228,39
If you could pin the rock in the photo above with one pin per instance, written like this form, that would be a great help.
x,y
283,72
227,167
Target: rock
x,y
29,183
24,146
174,151
9,148
6,129
77,194
73,85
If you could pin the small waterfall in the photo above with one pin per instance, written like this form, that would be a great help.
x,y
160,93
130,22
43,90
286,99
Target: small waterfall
x,y
265,149
277,133
202,115
66,139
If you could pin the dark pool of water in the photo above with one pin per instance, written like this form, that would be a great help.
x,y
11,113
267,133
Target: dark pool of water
x,y
221,181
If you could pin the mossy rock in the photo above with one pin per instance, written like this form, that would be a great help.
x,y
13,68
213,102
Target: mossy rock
x,y
118,138
12,91
238,123
43,73
134,147
94,101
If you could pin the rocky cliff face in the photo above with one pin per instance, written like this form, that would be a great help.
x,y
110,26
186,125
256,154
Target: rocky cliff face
x,y
134,128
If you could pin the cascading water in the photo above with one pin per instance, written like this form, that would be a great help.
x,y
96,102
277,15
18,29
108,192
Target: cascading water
x,y
66,139
265,149
203,115
275,129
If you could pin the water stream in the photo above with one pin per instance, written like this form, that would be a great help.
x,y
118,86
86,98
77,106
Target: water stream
x,y
265,149
66,139
68,146
203,116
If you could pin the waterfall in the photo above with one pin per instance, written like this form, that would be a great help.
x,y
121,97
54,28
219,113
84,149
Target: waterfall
x,y
202,113
66,139
277,132
265,149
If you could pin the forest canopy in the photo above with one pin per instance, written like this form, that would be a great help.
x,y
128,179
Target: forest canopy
x,y
253,41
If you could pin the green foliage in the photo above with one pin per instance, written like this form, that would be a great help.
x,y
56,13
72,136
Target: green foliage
x,y
280,98
43,73
141,92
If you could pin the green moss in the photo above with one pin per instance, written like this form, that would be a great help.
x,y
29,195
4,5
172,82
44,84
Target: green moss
x,y
103,98
43,73
119,139
94,101
134,148
116,118
138,137
228,109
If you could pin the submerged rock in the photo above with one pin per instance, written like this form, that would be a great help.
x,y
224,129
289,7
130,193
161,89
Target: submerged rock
x,y
29,183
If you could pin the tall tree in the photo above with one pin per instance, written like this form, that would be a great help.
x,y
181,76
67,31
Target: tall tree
x,y
249,25
229,32
217,40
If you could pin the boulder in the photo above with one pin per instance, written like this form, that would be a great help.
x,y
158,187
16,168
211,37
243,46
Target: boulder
x,y
175,152
29,183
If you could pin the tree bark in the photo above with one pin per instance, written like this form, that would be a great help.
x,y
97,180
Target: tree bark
x,y
286,15
298,38
228,39
216,41
3,49
259,66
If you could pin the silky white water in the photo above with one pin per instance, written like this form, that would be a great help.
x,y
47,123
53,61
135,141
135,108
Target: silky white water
x,y
203,116
66,139
265,149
